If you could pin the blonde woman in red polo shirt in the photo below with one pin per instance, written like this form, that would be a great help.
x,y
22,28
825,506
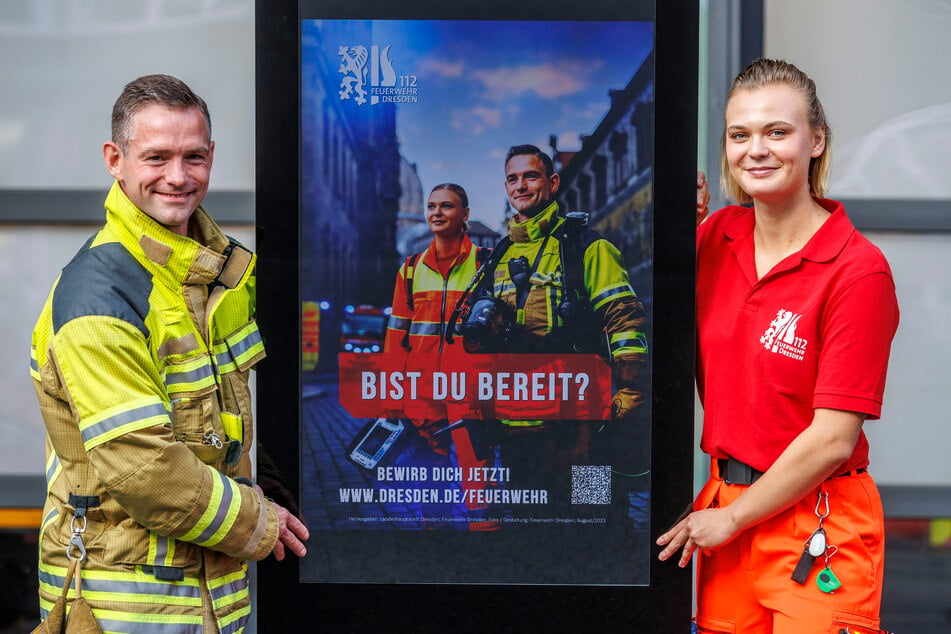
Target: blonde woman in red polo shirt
x,y
796,312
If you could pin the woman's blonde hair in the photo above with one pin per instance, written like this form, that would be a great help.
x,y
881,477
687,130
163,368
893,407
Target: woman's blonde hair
x,y
764,72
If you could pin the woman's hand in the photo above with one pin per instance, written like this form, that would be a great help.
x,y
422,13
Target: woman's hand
x,y
707,528
703,197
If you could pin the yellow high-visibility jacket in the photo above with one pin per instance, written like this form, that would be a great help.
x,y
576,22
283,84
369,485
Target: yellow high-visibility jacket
x,y
140,361
619,314
613,301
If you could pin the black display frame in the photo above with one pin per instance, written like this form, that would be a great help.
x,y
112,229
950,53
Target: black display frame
x,y
663,605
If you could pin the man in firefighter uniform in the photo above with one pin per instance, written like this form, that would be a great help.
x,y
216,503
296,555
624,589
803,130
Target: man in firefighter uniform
x,y
140,361
534,281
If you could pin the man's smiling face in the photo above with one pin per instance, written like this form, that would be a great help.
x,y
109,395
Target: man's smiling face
x,y
166,166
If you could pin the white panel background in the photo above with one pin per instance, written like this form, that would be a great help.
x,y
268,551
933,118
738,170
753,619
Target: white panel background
x,y
881,71
66,61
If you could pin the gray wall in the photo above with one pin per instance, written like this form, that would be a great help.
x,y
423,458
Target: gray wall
x,y
881,69
65,62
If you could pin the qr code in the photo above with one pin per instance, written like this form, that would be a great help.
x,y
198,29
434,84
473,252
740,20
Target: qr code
x,y
591,484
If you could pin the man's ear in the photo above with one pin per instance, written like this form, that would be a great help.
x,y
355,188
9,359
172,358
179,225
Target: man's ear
x,y
555,181
111,156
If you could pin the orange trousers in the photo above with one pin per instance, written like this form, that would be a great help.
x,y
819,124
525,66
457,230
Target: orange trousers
x,y
744,586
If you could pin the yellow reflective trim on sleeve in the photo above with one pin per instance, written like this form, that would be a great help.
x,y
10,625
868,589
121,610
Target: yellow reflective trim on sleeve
x,y
611,293
628,342
122,419
238,348
220,514
52,515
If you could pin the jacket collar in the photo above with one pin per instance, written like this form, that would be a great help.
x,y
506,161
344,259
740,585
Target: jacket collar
x,y
186,260
535,228
429,257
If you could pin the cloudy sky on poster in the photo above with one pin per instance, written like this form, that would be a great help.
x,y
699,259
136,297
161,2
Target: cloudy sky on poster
x,y
483,86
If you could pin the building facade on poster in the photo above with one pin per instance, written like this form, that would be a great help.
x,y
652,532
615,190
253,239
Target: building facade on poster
x,y
611,176
350,187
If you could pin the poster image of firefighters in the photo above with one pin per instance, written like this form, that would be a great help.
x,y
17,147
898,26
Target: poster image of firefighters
x,y
476,294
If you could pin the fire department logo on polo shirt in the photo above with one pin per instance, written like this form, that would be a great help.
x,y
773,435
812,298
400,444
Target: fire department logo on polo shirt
x,y
780,337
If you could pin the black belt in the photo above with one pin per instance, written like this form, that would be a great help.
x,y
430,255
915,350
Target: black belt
x,y
732,471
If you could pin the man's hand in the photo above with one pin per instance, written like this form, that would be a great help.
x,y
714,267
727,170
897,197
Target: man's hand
x,y
292,533
624,403
703,197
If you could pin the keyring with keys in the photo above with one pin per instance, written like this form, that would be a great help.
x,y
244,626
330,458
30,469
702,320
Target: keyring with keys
x,y
817,544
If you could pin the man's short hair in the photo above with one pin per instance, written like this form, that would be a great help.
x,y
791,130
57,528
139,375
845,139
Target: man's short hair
x,y
148,90
518,150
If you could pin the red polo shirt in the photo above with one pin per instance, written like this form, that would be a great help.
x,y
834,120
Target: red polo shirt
x,y
813,332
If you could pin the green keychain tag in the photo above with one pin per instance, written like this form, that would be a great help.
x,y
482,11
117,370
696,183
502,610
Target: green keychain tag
x,y
827,581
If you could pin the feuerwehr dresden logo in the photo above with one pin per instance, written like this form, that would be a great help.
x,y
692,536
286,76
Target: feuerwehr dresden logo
x,y
781,338
385,86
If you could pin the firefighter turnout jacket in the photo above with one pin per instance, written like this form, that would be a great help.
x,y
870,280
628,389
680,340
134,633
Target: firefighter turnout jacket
x,y
140,360
605,281
618,317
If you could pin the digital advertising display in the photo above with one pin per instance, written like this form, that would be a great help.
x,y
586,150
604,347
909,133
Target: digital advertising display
x,y
492,297
511,453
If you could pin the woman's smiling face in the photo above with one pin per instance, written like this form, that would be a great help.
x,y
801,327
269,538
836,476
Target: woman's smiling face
x,y
769,142
445,213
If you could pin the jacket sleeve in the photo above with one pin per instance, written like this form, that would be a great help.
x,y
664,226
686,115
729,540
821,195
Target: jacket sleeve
x,y
397,328
117,399
615,302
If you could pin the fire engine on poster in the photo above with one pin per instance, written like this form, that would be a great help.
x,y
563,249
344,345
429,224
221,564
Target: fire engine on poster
x,y
363,328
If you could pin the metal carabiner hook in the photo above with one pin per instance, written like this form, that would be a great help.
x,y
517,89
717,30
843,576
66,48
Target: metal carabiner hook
x,y
77,541
823,499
